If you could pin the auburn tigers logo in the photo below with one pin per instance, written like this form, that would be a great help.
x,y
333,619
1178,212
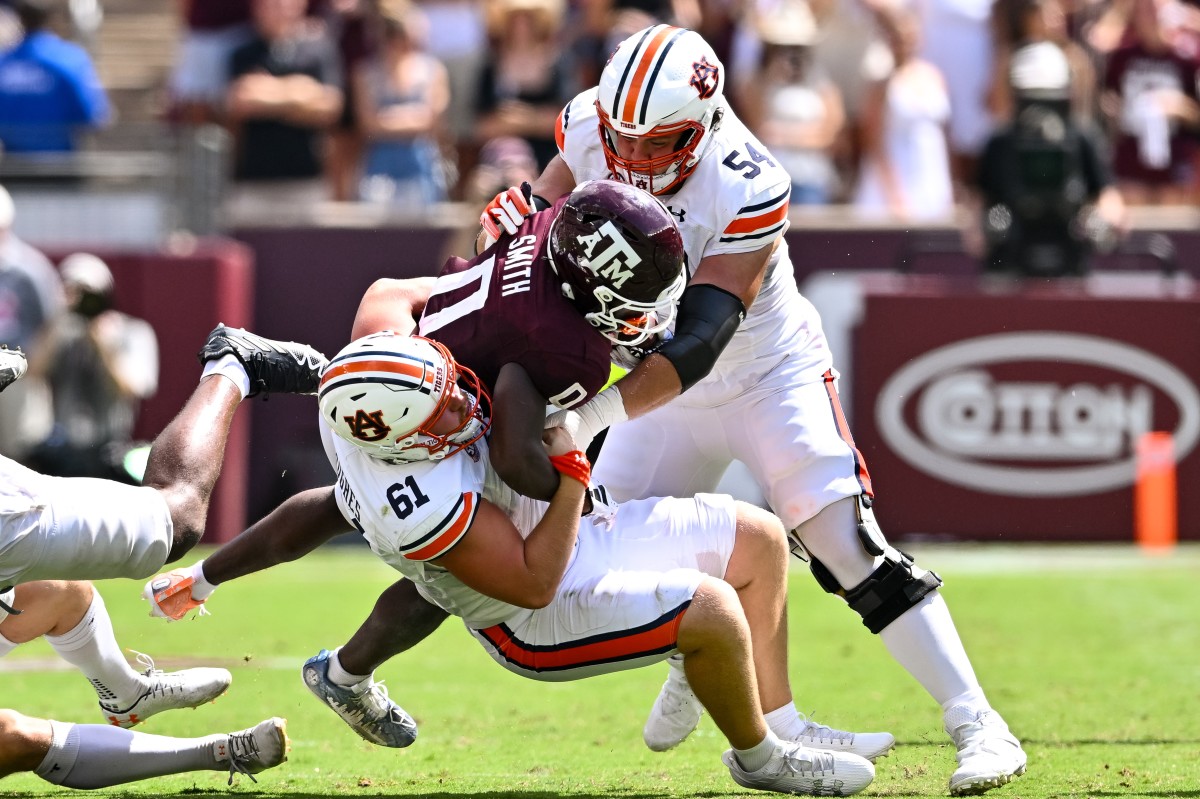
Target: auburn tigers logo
x,y
367,426
705,78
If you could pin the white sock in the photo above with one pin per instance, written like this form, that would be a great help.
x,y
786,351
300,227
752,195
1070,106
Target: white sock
x,y
785,722
339,676
964,708
925,642
229,367
6,646
201,588
97,756
92,648
758,756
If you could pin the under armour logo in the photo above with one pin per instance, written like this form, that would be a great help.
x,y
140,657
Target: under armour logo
x,y
680,214
367,426
705,78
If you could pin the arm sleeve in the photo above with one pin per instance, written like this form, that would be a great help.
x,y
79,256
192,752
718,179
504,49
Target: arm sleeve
x,y
708,318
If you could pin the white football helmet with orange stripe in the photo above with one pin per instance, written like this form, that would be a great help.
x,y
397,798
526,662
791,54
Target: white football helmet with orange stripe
x,y
661,81
385,393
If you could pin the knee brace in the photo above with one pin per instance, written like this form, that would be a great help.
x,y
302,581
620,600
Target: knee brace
x,y
895,586
869,535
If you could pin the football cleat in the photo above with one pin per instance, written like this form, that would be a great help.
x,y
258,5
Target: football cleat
x,y
676,711
797,769
988,754
869,745
263,746
168,691
170,595
365,707
274,367
12,366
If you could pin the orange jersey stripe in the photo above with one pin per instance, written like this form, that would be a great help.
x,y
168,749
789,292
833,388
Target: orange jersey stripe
x,y
839,417
655,639
443,541
560,135
639,76
752,223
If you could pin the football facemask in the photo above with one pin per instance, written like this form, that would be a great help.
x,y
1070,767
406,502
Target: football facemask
x,y
661,82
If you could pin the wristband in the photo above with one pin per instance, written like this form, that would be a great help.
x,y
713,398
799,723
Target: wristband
x,y
574,465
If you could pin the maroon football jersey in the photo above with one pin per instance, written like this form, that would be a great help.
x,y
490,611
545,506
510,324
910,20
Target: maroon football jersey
x,y
506,306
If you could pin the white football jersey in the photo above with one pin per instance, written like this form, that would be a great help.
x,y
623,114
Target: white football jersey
x,y
735,201
414,512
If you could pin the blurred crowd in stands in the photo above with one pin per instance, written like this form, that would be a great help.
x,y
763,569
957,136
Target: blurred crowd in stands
x,y
90,365
1043,119
884,105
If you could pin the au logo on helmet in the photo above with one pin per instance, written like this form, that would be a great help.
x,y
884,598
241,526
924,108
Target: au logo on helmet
x,y
705,78
367,426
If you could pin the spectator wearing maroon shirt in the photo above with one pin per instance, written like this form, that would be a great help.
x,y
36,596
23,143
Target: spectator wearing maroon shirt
x,y
1151,94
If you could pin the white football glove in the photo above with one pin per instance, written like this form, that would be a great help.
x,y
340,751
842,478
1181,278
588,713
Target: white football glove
x,y
170,595
505,212
604,507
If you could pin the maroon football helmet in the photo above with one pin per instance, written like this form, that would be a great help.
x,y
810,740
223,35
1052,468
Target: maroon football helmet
x,y
620,257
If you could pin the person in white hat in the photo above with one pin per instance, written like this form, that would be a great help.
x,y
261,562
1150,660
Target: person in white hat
x,y
1046,194
100,364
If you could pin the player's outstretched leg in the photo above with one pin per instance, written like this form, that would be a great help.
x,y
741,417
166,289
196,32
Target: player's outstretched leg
x,y
72,617
758,570
715,641
274,367
97,756
677,712
12,366
359,701
900,601
186,458
166,691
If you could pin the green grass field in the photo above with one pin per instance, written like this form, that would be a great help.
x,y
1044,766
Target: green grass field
x,y
1092,655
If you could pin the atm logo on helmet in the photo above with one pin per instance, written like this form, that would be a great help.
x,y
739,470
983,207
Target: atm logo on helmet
x,y
1035,414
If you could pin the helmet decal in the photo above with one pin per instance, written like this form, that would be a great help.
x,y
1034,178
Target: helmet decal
x,y
705,78
367,426
609,254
